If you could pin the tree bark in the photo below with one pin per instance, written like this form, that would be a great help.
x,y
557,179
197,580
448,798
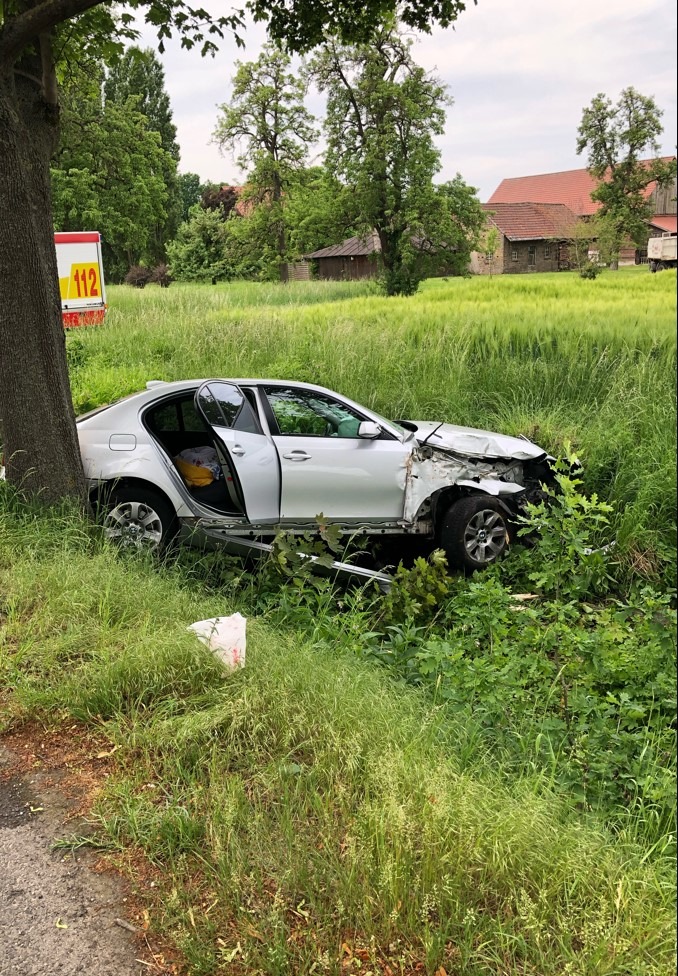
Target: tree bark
x,y
41,450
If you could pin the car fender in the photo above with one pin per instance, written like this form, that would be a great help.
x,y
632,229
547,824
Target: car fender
x,y
428,477
138,467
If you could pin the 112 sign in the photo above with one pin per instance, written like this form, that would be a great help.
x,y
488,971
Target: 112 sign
x,y
84,281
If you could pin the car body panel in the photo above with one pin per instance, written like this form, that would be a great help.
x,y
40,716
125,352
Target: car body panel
x,y
377,485
476,443
344,478
255,461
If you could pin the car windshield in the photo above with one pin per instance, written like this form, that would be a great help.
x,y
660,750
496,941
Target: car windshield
x,y
406,434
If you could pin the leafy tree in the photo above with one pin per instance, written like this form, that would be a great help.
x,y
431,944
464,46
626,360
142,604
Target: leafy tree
x,y
267,120
138,78
383,111
223,199
36,36
139,74
108,174
617,138
320,211
198,253
190,190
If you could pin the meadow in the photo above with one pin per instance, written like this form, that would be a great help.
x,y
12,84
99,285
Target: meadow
x,y
554,357
440,781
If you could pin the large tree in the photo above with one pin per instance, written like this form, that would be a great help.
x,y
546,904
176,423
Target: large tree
x,y
138,78
383,112
40,439
110,172
267,122
618,139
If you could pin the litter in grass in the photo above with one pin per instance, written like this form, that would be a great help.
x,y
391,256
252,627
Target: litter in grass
x,y
225,637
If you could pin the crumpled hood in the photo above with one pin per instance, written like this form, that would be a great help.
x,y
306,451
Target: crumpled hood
x,y
477,443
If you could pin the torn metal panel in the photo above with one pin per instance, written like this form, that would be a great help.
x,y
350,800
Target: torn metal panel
x,y
430,471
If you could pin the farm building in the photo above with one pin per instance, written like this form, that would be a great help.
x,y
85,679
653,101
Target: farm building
x,y
532,237
573,188
354,258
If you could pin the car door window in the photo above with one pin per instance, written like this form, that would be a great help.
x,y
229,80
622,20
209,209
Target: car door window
x,y
223,405
306,413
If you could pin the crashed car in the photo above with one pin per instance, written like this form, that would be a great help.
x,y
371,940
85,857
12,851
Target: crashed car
x,y
235,461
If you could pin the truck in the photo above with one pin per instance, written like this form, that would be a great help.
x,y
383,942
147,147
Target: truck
x,y
81,278
661,252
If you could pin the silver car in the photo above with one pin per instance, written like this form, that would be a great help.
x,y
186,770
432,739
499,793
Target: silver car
x,y
235,461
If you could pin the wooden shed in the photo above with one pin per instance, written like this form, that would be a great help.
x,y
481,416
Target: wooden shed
x,y
356,257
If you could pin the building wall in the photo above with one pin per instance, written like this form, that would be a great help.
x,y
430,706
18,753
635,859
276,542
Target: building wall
x,y
482,265
347,268
664,199
526,257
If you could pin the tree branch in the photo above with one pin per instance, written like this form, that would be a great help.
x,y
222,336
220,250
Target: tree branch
x,y
27,27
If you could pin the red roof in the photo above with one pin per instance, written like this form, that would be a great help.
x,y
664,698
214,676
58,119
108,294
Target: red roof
x,y
531,221
573,188
666,222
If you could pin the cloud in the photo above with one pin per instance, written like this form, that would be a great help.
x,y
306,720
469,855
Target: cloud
x,y
520,75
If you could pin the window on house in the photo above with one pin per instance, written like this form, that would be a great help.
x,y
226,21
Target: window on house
x,y
547,251
514,254
532,254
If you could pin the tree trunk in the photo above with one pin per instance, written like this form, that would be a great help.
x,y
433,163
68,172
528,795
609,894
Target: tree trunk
x,y
41,450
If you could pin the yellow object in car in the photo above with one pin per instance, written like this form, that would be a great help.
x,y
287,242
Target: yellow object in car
x,y
195,475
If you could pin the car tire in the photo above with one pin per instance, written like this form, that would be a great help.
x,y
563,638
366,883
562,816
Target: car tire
x,y
475,532
139,518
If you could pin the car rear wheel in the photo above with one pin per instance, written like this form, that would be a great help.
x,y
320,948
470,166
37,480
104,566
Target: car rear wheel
x,y
475,532
137,518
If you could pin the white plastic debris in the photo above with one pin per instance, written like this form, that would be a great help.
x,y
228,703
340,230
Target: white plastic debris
x,y
225,637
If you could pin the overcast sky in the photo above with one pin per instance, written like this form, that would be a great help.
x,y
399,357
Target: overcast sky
x,y
520,75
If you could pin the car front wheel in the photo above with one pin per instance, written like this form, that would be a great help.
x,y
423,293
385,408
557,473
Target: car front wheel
x,y
475,532
137,518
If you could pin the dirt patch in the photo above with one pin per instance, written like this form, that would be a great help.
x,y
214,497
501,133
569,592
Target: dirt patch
x,y
61,910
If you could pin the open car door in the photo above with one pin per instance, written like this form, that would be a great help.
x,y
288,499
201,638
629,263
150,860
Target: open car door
x,y
252,456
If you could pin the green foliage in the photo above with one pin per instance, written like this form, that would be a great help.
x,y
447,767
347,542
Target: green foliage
x,y
267,119
109,174
616,138
198,251
383,111
590,270
319,211
416,593
190,190
139,76
314,794
568,524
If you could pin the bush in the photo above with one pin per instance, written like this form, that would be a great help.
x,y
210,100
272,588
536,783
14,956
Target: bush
x,y
138,276
160,276
590,269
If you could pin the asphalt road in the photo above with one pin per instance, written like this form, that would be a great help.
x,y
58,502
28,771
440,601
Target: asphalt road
x,y
57,915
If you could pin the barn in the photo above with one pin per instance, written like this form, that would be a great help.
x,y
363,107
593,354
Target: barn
x,y
573,188
356,257
532,237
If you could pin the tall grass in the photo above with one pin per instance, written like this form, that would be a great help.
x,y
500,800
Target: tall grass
x,y
306,814
553,357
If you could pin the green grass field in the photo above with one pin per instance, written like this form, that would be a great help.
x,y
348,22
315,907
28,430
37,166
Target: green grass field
x,y
554,357
308,814
476,792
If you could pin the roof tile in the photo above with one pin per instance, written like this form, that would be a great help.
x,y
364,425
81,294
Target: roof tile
x,y
531,221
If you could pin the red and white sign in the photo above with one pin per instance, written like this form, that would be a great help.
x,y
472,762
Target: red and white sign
x,y
81,278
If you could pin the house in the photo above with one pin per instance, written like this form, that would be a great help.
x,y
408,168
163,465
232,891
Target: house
x,y
532,237
354,258
573,188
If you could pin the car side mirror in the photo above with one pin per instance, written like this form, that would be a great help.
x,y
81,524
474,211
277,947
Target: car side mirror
x,y
369,430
